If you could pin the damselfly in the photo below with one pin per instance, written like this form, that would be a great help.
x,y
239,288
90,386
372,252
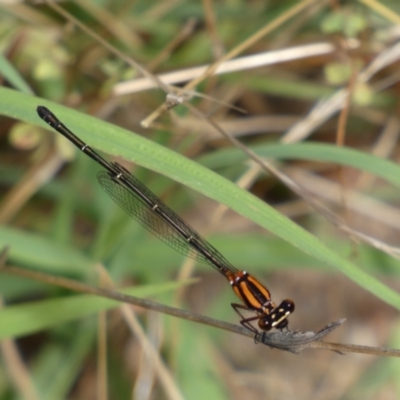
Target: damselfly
x,y
145,207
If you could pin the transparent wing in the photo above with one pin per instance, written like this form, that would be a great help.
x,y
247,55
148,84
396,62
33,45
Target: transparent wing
x,y
139,206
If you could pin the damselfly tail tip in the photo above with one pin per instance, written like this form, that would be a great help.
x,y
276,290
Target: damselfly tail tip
x,y
42,111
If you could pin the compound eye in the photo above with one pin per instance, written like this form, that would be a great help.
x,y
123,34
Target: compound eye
x,y
287,305
265,324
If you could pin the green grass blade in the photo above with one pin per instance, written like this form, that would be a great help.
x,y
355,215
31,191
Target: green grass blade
x,y
23,319
329,153
12,75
